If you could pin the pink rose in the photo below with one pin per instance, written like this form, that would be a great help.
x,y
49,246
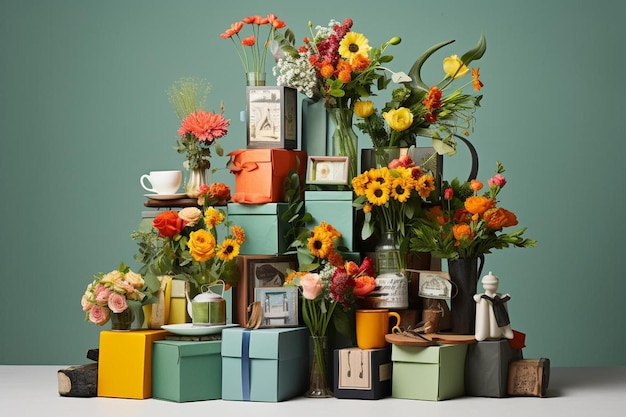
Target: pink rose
x,y
498,180
102,294
99,315
117,303
311,286
85,303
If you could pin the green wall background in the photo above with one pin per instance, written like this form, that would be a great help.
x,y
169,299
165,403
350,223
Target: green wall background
x,y
84,112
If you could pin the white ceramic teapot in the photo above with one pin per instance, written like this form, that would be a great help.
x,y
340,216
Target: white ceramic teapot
x,y
208,308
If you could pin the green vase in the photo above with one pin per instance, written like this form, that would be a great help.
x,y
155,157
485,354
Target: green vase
x,y
122,321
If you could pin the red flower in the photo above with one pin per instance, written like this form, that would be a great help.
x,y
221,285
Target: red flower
x,y
205,126
168,223
363,285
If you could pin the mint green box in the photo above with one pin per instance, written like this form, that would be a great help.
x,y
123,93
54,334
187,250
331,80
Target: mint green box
x,y
428,373
335,208
277,364
264,227
186,371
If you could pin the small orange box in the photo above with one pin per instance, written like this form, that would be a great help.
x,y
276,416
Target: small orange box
x,y
260,173
125,363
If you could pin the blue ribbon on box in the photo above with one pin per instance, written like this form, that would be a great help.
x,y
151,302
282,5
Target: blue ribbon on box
x,y
245,364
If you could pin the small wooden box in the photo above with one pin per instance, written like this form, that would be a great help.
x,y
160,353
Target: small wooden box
x,y
529,377
272,117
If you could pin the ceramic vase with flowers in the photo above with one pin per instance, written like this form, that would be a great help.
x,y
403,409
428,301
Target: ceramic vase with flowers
x,y
118,296
329,286
198,131
337,65
465,228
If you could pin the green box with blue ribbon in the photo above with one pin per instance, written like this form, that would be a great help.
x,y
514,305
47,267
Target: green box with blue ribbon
x,y
267,365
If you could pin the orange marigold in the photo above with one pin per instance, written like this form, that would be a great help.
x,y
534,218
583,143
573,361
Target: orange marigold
x,y
327,71
478,204
497,218
461,231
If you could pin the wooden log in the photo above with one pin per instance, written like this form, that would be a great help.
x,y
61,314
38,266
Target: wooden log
x,y
78,381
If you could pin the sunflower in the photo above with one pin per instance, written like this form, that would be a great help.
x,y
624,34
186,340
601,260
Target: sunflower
x,y
425,185
352,45
359,184
228,250
320,245
380,175
377,193
401,189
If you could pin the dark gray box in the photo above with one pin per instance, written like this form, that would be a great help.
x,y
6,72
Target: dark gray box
x,y
487,368
362,373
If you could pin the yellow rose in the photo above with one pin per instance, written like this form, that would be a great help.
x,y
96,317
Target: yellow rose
x,y
453,66
364,108
201,245
399,119
134,279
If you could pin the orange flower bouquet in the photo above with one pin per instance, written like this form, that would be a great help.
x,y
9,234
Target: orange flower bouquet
x,y
468,225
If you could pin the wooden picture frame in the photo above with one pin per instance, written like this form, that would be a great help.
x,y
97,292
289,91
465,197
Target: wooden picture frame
x,y
279,306
272,117
327,170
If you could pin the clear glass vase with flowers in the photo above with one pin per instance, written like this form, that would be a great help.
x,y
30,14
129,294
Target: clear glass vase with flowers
x,y
253,52
185,244
118,296
199,129
330,286
338,65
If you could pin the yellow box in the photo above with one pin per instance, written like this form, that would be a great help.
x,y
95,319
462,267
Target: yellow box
x,y
125,363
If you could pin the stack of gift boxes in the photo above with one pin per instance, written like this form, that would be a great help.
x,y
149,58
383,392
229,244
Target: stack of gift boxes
x,y
272,364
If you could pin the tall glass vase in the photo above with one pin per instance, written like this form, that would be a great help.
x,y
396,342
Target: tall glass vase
x,y
464,275
390,267
318,383
255,79
197,178
344,137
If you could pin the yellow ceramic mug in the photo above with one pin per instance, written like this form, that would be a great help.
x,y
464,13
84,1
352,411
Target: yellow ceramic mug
x,y
372,326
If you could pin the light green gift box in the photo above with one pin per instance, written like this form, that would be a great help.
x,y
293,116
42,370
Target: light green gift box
x,y
186,371
335,208
264,227
275,369
428,373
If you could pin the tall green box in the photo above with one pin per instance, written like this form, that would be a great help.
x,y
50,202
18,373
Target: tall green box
x,y
264,227
428,373
335,208
268,365
186,371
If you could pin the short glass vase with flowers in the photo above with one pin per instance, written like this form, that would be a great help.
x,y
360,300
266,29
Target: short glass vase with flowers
x,y
198,131
465,228
415,109
330,286
185,244
253,52
338,65
118,296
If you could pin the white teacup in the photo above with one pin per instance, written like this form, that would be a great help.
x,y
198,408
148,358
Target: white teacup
x,y
162,182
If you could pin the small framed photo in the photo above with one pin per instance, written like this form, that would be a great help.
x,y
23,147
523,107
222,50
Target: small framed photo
x,y
327,170
272,117
279,306
269,271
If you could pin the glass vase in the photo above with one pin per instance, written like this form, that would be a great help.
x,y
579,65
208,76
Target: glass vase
x,y
197,178
390,267
318,383
344,138
254,79
122,321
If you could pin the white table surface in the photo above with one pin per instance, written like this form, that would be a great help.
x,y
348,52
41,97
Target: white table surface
x,y
597,392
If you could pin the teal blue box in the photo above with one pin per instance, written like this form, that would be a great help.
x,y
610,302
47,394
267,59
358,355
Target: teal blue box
x,y
335,208
275,369
186,371
264,227
431,373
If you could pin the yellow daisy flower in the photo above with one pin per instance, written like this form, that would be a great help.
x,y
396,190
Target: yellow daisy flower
x,y
228,250
213,217
239,234
377,193
354,44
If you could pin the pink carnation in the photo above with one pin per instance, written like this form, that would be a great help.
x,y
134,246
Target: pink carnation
x,y
498,180
99,315
205,126
117,303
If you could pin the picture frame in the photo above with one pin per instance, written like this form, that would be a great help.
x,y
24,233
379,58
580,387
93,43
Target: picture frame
x,y
272,117
279,306
434,284
256,273
327,170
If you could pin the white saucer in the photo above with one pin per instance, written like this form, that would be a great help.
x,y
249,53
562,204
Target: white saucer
x,y
166,196
189,329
